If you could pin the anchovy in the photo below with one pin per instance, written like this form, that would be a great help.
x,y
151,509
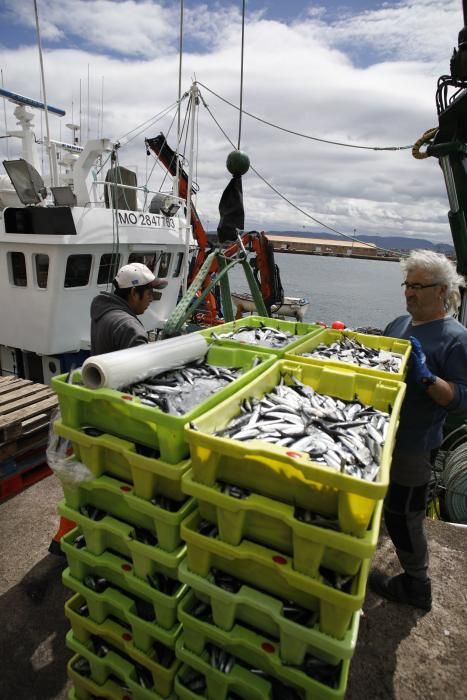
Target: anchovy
x,y
348,349
342,435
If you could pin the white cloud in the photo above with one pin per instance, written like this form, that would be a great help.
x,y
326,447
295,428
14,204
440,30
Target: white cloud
x,y
303,76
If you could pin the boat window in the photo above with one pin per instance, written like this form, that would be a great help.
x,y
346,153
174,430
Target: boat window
x,y
17,269
164,265
41,267
148,259
108,266
178,265
78,269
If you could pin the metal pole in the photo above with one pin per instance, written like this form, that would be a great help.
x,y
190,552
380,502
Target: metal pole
x,y
180,54
194,102
52,180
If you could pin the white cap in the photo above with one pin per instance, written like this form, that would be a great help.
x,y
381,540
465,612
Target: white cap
x,y
137,275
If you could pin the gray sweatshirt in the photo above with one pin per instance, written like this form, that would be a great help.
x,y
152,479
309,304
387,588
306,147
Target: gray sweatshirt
x,y
444,343
114,326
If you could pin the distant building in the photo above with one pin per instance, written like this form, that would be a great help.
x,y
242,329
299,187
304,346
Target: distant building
x,y
322,246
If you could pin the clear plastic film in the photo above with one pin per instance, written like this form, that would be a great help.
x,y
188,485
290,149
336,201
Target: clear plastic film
x,y
62,461
124,367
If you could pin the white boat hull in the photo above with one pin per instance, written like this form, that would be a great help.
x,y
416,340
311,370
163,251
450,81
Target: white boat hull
x,y
292,306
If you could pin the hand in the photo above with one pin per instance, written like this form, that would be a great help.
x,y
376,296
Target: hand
x,y
422,373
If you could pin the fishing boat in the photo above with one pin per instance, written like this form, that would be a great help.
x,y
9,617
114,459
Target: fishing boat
x,y
290,306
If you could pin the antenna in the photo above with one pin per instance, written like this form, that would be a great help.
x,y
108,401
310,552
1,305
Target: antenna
x,y
4,116
49,148
88,127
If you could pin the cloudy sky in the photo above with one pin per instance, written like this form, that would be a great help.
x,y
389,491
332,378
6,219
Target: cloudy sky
x,y
362,72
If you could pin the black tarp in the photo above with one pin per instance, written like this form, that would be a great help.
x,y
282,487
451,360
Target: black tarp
x,y
232,214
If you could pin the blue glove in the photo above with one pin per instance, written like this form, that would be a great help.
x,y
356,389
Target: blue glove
x,y
422,373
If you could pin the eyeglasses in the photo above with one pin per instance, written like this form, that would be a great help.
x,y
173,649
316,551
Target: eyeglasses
x,y
417,287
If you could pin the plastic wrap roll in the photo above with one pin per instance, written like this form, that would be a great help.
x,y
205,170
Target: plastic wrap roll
x,y
124,367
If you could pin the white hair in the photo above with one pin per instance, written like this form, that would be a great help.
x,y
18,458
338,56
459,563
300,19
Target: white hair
x,y
442,270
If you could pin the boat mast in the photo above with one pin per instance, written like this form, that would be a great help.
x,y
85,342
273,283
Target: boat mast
x,y
194,101
180,54
52,162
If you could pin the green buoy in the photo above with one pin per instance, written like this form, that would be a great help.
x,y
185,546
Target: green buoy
x,y
238,163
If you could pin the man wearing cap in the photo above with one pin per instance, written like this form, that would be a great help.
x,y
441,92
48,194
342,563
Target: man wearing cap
x,y
114,317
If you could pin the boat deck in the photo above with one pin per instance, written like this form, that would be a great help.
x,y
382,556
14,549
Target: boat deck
x,y
402,654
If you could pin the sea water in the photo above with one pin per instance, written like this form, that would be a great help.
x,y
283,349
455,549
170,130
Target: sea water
x,y
357,292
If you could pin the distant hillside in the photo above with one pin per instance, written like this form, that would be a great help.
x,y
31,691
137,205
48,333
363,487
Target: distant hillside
x,y
392,242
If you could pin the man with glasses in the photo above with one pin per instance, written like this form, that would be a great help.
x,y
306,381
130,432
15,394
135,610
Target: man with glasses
x,y
114,317
436,386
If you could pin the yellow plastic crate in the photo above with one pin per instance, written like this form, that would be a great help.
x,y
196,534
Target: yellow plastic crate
x,y
108,454
267,614
121,507
112,665
122,607
124,415
292,477
303,330
272,572
272,523
377,342
118,637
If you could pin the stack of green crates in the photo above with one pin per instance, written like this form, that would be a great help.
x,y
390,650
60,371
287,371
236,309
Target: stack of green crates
x,y
281,622
125,554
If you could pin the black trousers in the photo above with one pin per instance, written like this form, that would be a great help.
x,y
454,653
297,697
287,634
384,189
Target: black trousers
x,y
404,515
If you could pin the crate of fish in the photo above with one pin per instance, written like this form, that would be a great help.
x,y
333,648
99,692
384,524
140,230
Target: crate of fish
x,y
378,355
161,592
102,661
103,500
136,464
255,655
315,436
106,602
155,411
85,688
101,533
311,540
157,667
296,628
334,596
271,334
216,676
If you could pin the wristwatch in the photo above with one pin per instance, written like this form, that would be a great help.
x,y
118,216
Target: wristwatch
x,y
429,381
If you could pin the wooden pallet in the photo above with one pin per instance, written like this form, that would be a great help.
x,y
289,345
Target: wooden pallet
x,y
20,481
25,408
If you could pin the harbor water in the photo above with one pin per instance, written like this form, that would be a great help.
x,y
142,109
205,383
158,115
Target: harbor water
x,y
357,292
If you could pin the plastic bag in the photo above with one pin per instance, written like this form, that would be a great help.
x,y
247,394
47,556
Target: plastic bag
x,y
62,461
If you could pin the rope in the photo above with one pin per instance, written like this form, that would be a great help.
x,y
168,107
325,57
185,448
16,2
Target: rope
x,y
425,138
455,481
295,206
306,136
241,77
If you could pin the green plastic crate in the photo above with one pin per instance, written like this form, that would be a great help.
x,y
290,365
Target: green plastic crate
x,y
110,455
240,681
256,649
272,523
304,330
252,650
377,342
120,572
112,664
290,476
118,636
125,416
272,572
264,613
120,537
117,499
112,602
